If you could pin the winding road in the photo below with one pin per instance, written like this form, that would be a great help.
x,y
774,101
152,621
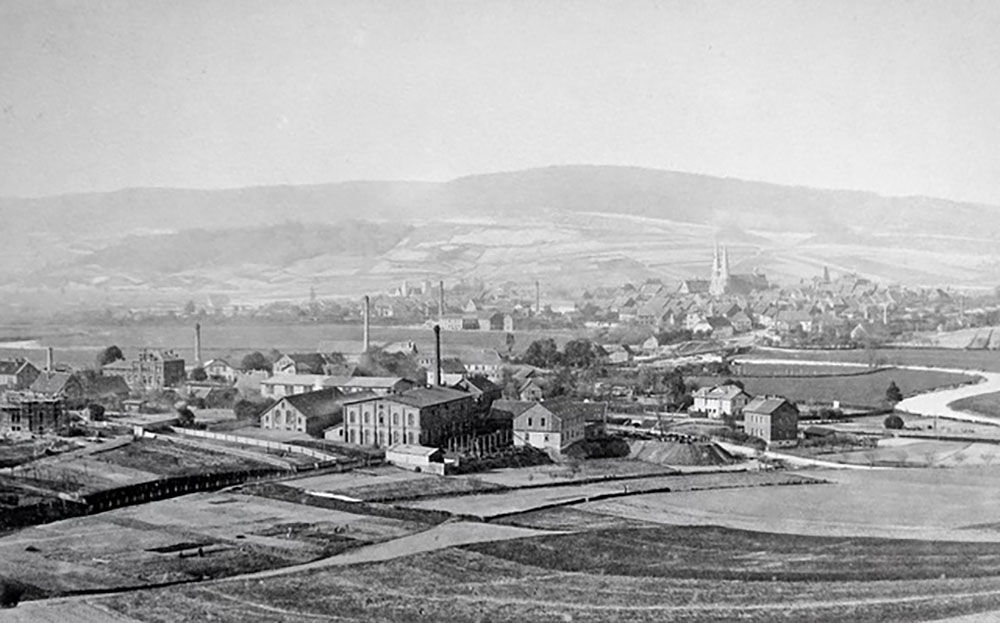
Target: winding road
x,y
933,403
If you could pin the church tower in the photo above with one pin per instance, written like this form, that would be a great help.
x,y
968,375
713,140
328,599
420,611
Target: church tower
x,y
720,271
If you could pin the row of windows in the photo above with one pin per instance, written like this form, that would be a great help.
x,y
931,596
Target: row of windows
x,y
365,437
366,418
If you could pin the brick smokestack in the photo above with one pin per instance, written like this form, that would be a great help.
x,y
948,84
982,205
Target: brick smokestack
x,y
441,300
538,297
197,343
49,356
437,354
368,313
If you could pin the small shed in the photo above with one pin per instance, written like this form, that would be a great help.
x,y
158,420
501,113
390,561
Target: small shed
x,y
416,458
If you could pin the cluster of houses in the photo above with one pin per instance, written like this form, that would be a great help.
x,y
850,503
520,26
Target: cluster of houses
x,y
774,419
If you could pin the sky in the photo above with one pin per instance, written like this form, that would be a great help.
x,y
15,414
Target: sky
x,y
898,97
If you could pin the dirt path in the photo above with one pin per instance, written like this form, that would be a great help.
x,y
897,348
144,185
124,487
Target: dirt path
x,y
448,534
936,403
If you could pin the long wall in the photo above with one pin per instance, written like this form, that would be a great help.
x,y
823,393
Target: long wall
x,y
260,443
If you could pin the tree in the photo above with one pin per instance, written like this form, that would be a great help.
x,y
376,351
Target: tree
x,y
736,382
579,353
892,393
109,355
256,361
189,308
185,417
199,374
893,421
542,353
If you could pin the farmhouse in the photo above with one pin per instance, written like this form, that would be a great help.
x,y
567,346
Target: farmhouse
x,y
17,374
773,419
300,363
551,426
426,416
311,413
720,401
221,370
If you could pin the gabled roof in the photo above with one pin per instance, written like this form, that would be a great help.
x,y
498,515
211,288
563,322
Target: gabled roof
x,y
314,361
481,383
361,382
51,382
766,404
320,403
452,365
217,362
509,409
421,397
11,366
590,411
294,379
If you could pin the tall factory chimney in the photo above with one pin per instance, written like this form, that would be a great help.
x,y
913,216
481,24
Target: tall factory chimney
x,y
437,354
441,300
538,297
367,312
49,356
197,343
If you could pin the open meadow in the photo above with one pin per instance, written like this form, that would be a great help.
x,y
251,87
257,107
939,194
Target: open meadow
x,y
686,574
940,504
851,388
983,404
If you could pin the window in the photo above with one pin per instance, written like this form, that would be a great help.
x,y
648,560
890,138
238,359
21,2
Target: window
x,y
352,437
529,422
351,417
395,419
409,438
367,416
543,422
395,436
409,419
381,419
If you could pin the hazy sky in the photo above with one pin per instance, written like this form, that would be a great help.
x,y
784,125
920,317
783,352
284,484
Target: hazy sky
x,y
900,97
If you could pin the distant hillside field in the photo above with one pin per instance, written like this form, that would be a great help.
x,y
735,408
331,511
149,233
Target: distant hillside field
x,y
565,226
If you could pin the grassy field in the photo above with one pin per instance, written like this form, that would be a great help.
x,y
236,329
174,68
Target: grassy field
x,y
932,357
878,503
861,390
983,404
692,575
164,458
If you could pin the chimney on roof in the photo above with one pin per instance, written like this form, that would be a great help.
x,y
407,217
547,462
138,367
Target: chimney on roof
x,y
197,343
440,299
437,354
367,319
49,356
